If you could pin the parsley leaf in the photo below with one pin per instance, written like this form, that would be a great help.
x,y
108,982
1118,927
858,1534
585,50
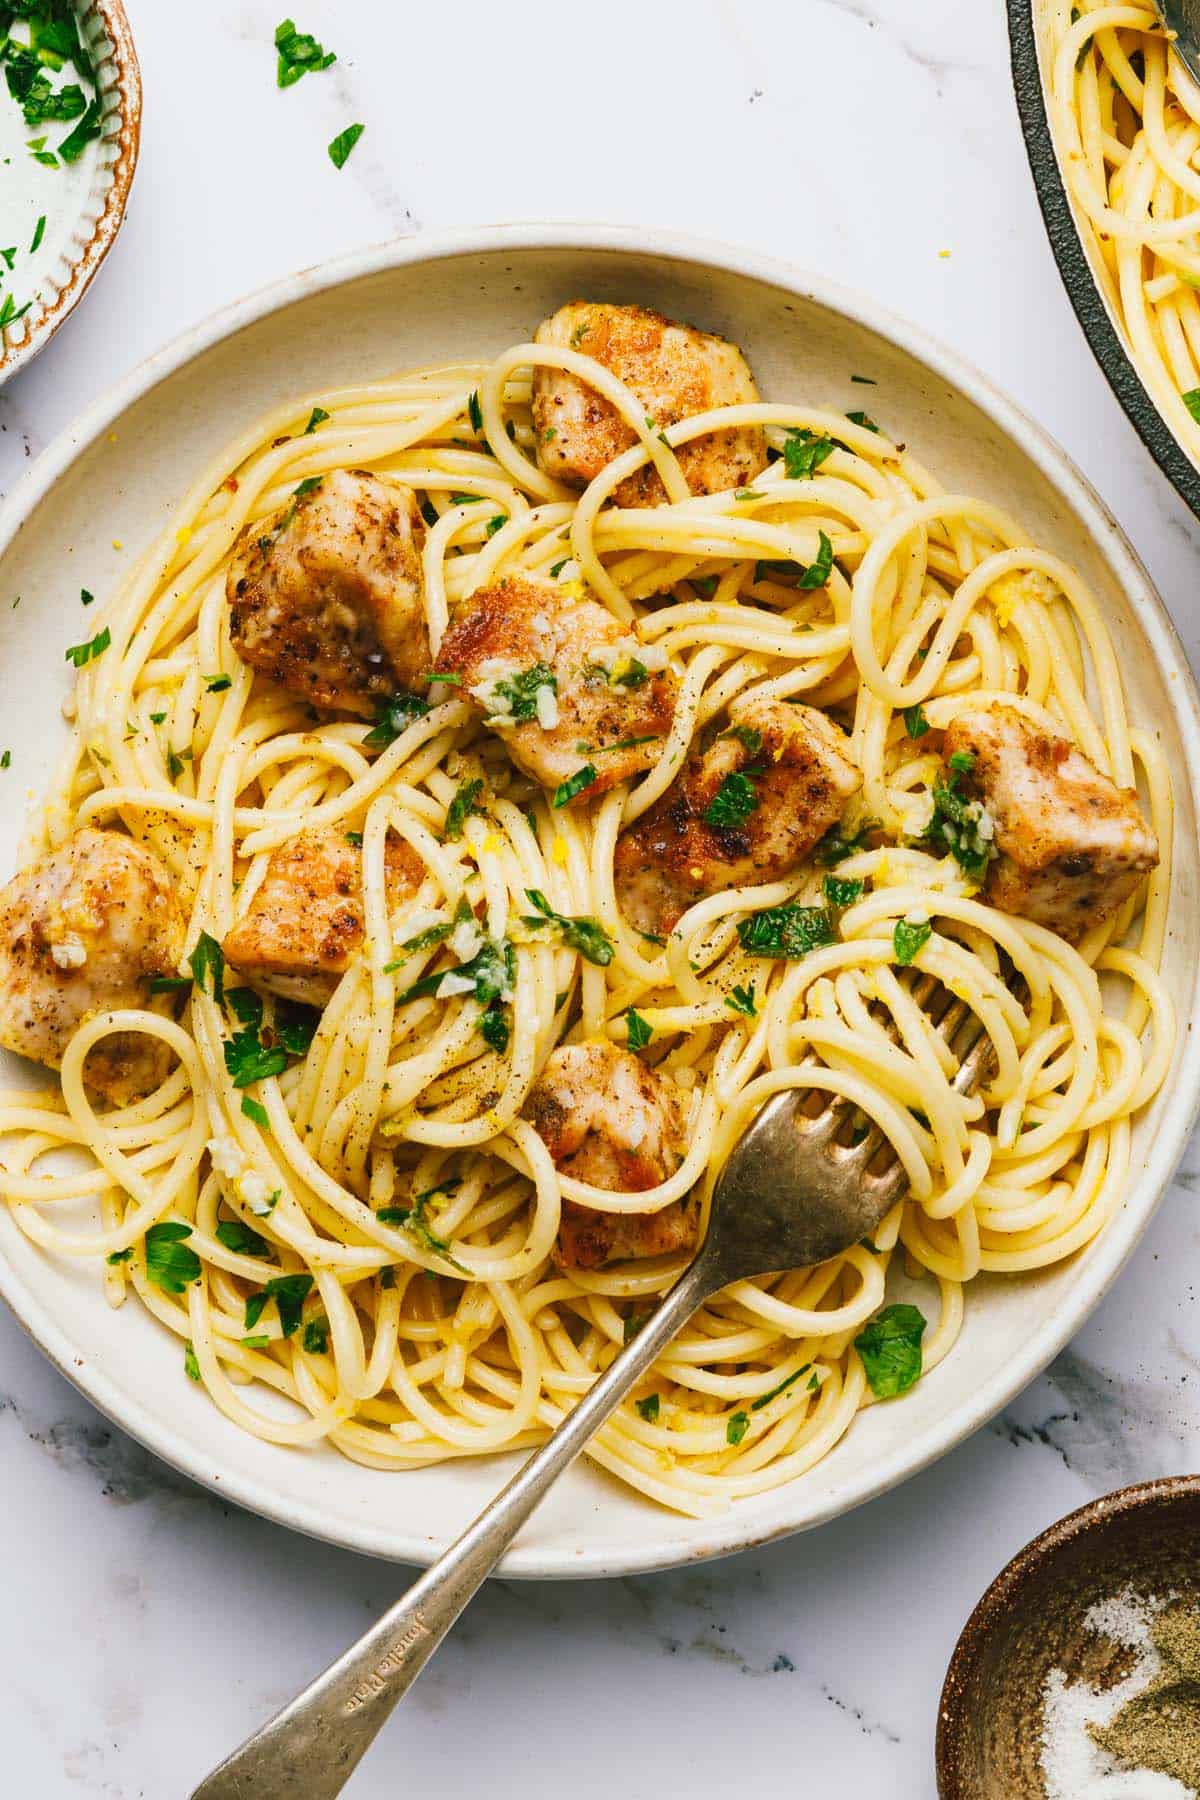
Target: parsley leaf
x,y
649,1408
207,963
586,935
835,848
863,419
520,692
216,684
817,574
344,143
393,716
251,1109
39,232
247,1060
82,654
963,761
170,1265
75,143
784,1385
299,54
491,971
638,1031
743,1000
748,736
288,1293
786,931
493,1027
910,937
842,890
737,1427
316,1337
191,1367
959,825
733,802
915,722
316,417
242,1239
890,1347
803,454
475,411
1192,401
576,783
413,1220
119,1256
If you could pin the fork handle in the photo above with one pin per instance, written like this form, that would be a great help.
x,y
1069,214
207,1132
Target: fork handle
x,y
314,1744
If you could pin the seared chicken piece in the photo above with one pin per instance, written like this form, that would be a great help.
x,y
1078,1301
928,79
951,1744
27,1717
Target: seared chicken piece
x,y
675,371
305,922
326,594
562,681
1071,845
608,1119
84,931
748,810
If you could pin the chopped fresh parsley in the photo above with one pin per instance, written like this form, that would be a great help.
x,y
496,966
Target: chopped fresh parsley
x,y
747,736
842,890
316,417
865,380
316,1337
575,784
557,568
915,722
737,1427
743,1000
1192,401
632,675
441,679
85,598
253,1110
344,143
734,801
119,1256
638,1031
170,1264
804,452
394,716
157,718
963,761
216,684
786,931
960,825
39,232
863,419
412,1219
784,1385
5,759
191,1367
76,141
29,84
649,1408
494,1028
586,935
299,54
288,1293
464,803
424,940
82,654
207,963
40,154
355,838
521,691
890,1347
909,938
494,525
491,972
242,1239
817,573
247,1059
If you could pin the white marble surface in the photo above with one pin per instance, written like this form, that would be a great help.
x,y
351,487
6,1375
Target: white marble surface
x,y
145,1627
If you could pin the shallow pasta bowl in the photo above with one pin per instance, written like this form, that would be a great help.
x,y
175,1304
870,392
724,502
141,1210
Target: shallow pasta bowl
x,y
100,494
1076,252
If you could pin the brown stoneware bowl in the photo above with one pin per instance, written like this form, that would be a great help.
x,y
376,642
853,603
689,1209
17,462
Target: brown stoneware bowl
x,y
1031,1621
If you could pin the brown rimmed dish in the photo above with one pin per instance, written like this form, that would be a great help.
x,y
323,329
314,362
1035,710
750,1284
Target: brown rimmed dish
x,y
1031,1621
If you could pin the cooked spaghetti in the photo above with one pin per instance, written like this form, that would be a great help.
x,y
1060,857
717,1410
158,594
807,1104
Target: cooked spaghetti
x,y
456,992
1126,115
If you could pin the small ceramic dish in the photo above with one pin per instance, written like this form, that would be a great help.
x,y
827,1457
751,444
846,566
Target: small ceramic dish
x,y
60,218
472,293
1031,1621
1077,253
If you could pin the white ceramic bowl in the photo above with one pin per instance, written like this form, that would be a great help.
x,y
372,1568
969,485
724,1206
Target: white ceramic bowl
x,y
424,300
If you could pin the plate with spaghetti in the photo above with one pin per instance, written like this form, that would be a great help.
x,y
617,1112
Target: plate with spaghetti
x,y
539,701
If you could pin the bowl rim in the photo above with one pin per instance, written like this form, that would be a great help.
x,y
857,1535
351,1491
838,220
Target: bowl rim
x,y
127,85
991,1606
1066,243
667,1546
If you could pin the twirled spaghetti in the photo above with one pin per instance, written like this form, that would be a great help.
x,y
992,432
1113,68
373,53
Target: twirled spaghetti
x,y
1126,114
409,1335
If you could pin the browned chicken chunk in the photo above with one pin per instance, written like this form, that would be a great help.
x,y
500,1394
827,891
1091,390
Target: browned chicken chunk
x,y
85,930
305,922
326,594
1070,845
564,683
608,1119
748,809
675,371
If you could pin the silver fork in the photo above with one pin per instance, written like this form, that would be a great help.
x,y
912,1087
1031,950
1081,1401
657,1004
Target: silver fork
x,y
794,1192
